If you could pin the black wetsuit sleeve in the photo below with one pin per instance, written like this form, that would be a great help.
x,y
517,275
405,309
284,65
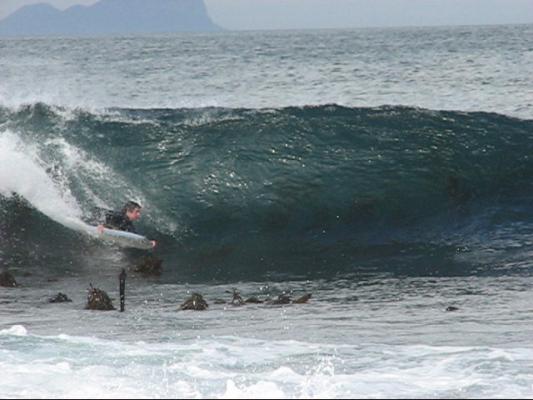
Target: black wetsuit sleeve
x,y
119,221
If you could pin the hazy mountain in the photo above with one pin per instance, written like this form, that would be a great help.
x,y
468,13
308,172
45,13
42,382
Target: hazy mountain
x,y
108,17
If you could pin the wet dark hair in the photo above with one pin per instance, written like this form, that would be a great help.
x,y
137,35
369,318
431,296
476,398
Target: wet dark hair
x,y
130,206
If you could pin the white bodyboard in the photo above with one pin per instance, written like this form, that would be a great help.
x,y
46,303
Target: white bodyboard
x,y
121,238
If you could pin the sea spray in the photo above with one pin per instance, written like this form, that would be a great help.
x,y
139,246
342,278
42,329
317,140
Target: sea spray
x,y
23,173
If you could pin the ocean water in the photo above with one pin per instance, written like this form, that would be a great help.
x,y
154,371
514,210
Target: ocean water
x,y
388,172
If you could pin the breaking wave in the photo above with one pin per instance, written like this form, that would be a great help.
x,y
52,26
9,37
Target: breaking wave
x,y
295,191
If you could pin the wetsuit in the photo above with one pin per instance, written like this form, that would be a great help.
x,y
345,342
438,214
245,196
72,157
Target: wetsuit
x,y
120,221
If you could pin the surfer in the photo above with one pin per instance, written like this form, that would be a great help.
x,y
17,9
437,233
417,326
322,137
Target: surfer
x,y
123,220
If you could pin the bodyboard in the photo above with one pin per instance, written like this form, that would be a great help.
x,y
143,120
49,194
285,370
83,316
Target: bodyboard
x,y
122,238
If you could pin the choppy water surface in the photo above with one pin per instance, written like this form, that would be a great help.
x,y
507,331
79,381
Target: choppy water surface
x,y
456,68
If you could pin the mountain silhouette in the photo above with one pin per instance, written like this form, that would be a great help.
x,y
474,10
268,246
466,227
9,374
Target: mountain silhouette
x,y
110,17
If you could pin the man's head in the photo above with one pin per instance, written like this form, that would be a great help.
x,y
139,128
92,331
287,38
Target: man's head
x,y
132,210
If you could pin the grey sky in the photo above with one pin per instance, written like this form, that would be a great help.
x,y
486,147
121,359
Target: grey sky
x,y
299,14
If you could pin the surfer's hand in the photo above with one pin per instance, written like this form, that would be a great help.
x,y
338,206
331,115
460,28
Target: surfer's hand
x,y
154,243
100,229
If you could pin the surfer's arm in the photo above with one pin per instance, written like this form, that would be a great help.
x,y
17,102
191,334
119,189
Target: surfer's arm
x,y
100,229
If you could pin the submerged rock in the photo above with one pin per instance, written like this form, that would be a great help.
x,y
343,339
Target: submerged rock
x,y
302,300
7,280
150,265
283,298
98,300
196,302
237,299
59,298
253,300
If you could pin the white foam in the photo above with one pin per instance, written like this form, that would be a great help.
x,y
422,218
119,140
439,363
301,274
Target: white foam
x,y
95,368
15,330
22,172
259,390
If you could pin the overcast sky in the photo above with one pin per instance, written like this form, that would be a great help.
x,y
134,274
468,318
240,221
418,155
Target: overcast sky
x,y
300,14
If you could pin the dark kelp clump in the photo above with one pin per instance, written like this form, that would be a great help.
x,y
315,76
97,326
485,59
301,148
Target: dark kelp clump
x,y
98,300
196,302
60,298
451,309
236,300
7,280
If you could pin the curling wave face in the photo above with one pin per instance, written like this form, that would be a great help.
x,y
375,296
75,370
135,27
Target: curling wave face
x,y
297,190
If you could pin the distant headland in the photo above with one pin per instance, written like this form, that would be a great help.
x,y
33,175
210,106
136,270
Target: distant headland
x,y
110,17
